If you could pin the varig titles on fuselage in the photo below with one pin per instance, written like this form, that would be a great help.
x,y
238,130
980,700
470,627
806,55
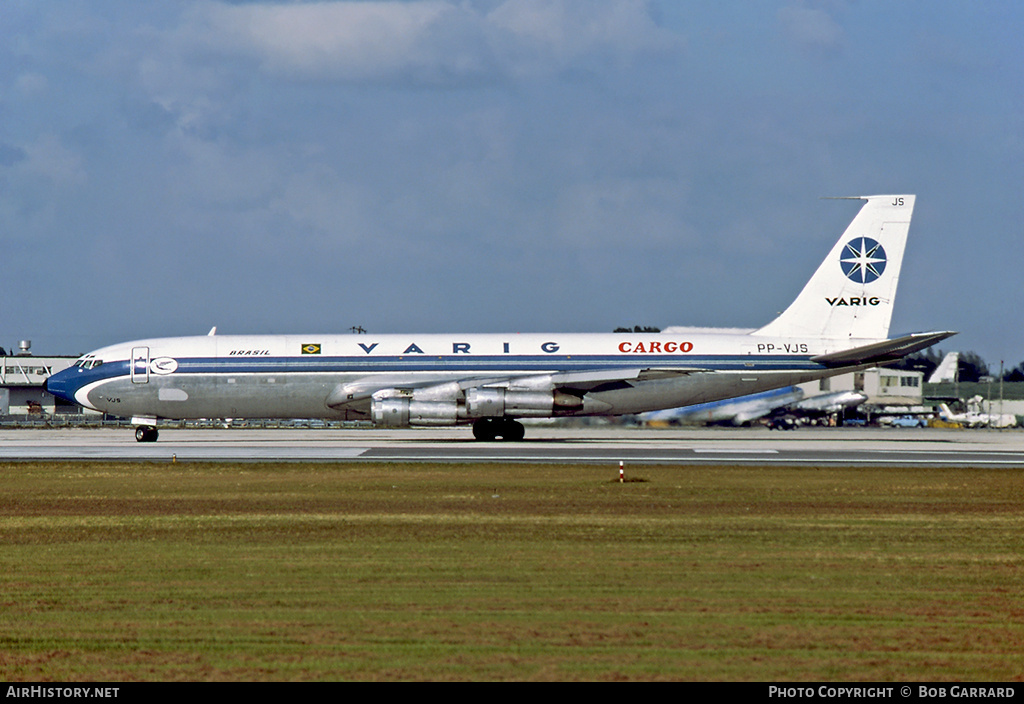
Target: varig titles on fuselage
x,y
642,346
548,347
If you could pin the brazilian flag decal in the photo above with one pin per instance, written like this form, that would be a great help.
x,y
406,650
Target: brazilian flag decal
x,y
310,348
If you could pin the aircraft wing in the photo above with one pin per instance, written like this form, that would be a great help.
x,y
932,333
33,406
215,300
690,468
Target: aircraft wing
x,y
361,390
585,380
882,352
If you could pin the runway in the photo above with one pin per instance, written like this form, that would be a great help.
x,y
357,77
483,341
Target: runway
x,y
589,445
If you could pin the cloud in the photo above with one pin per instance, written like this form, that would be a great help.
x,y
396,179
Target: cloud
x,y
340,40
31,84
428,41
329,213
610,213
49,158
11,155
811,28
446,146
542,35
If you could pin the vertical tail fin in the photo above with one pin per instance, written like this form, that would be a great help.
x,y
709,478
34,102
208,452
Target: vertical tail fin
x,y
851,294
947,369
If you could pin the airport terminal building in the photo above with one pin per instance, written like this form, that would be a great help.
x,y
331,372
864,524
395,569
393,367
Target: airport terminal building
x,y
895,391
883,387
21,384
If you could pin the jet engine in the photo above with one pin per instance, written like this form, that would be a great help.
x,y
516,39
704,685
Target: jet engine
x,y
448,404
498,402
403,412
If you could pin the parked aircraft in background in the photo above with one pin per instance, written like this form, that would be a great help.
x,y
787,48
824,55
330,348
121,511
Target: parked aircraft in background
x,y
974,418
790,401
838,323
736,411
947,369
828,404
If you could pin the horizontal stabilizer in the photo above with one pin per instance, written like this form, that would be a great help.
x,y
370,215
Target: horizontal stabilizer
x,y
882,352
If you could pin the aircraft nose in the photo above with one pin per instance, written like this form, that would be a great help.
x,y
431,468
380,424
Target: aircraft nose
x,y
56,385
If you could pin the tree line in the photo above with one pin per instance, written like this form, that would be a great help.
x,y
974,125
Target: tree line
x,y
971,367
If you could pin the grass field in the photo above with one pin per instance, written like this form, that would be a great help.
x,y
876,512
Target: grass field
x,y
120,572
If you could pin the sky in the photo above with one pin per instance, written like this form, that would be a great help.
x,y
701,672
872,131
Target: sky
x,y
498,165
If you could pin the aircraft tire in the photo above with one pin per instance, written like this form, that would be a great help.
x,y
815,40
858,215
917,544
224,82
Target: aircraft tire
x,y
490,429
513,431
485,429
146,434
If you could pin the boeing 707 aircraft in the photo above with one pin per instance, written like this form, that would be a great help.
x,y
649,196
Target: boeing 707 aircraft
x,y
837,324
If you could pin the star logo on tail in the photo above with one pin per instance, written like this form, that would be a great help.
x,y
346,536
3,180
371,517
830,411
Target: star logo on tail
x,y
862,260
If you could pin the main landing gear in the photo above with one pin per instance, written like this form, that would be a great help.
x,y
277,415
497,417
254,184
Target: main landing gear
x,y
493,428
145,433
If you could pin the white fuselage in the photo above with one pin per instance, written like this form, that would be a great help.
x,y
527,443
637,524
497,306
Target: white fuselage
x,y
335,376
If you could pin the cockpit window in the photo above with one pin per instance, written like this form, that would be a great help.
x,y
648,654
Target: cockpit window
x,y
88,362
